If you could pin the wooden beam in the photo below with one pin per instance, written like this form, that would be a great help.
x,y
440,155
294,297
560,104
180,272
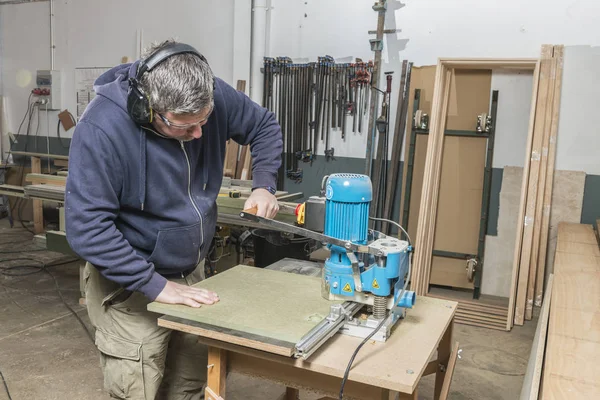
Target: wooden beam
x,y
532,191
217,371
522,202
533,374
38,213
490,63
449,372
39,155
547,199
444,353
539,201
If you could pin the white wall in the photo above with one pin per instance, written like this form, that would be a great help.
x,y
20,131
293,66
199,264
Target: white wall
x,y
514,105
429,29
93,33
578,140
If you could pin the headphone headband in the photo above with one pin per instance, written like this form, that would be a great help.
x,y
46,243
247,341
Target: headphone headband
x,y
138,104
161,55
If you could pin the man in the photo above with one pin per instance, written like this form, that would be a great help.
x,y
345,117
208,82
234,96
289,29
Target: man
x,y
145,168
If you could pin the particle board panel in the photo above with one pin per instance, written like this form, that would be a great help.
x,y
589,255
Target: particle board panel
x,y
384,365
261,302
491,317
480,325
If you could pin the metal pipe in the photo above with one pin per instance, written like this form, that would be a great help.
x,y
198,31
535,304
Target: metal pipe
x,y
258,46
52,35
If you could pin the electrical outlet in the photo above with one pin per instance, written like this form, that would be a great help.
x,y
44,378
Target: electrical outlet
x,y
48,89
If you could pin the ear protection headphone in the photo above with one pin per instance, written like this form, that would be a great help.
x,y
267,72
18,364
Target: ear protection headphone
x,y
138,102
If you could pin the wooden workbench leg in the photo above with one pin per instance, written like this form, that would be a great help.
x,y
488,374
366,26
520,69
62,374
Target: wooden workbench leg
x,y
291,393
406,396
444,350
38,216
217,371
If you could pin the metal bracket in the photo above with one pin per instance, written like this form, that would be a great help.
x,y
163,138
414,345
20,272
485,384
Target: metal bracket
x,y
355,271
376,44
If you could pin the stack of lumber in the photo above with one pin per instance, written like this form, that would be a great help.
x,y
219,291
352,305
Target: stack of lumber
x,y
529,262
487,312
571,366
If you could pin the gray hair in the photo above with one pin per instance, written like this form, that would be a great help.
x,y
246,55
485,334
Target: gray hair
x,y
182,84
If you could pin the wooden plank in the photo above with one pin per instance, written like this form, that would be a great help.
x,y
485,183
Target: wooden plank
x,y
577,262
533,374
247,165
547,199
38,211
231,158
481,316
382,365
532,190
523,201
490,63
480,325
421,78
217,371
444,353
577,233
38,178
39,155
449,373
538,218
428,207
241,162
573,334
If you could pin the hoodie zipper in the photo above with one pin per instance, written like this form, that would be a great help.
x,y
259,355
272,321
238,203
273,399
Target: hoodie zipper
x,y
187,159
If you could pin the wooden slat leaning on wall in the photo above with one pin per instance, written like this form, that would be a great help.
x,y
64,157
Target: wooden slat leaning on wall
x,y
232,152
539,282
527,254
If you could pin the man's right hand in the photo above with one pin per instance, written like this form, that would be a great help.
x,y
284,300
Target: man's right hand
x,y
175,293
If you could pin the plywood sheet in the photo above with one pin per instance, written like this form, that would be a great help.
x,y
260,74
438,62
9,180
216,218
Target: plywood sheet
x,y
417,184
271,304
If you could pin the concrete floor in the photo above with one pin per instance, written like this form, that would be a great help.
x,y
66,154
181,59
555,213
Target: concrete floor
x,y
45,353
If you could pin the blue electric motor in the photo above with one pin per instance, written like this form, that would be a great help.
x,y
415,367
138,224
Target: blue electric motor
x,y
348,197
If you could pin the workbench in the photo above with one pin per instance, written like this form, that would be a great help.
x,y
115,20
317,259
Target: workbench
x,y
379,369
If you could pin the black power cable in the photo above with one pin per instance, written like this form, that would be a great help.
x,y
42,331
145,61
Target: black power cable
x,y
365,340
5,386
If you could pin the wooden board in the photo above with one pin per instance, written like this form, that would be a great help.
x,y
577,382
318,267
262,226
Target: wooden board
x,y
547,198
524,260
533,374
421,78
523,201
571,369
260,302
383,365
38,213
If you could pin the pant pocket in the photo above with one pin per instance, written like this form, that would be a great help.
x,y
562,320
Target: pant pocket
x,y
122,366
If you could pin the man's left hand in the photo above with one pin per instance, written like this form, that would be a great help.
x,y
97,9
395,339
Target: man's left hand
x,y
265,202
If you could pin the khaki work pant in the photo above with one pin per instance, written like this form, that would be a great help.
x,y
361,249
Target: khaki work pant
x,y
139,359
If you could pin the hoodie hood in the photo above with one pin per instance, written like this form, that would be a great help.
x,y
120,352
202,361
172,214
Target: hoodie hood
x,y
114,83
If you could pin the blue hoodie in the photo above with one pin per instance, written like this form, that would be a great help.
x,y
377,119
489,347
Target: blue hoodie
x,y
139,206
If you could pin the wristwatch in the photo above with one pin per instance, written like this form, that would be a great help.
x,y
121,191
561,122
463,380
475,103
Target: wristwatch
x,y
268,188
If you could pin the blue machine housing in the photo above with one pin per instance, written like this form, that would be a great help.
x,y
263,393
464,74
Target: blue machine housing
x,y
348,198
